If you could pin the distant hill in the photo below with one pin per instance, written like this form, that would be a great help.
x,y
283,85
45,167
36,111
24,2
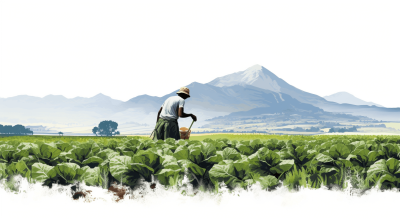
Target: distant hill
x,y
345,97
57,109
206,102
239,93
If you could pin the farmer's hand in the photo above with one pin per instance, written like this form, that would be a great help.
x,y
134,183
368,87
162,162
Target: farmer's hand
x,y
194,117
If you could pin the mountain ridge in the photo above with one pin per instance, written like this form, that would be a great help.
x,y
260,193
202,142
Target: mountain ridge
x,y
345,97
233,93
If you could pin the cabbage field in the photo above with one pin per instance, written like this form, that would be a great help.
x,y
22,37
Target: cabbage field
x,y
208,165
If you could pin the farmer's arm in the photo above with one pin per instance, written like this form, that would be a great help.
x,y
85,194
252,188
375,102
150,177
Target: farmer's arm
x,y
183,115
158,115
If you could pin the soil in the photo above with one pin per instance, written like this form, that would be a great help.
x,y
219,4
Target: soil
x,y
153,186
79,194
117,191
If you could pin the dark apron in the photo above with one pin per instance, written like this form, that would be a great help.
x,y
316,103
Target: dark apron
x,y
166,129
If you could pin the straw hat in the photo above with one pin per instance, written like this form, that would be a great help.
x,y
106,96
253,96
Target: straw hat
x,y
184,90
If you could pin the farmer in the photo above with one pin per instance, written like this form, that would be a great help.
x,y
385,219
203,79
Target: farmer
x,y
167,118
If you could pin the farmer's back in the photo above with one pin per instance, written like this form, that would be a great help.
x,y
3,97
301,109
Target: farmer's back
x,y
170,108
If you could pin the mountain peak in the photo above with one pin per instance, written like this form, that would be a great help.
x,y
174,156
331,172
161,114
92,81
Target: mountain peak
x,y
100,95
255,75
255,67
51,96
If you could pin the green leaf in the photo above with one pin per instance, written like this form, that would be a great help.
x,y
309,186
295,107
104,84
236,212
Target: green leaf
x,y
268,182
230,153
28,146
223,173
169,177
93,161
23,169
378,167
68,171
65,156
46,151
112,144
170,141
324,158
390,150
220,145
42,172
91,176
120,170
339,151
3,170
194,168
208,150
195,153
268,156
149,158
256,144
107,154
245,150
392,165
12,169
283,166
328,169
8,155
64,147
215,159
182,152
385,177
19,154
169,162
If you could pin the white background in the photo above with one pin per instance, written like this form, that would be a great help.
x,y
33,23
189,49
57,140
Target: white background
x,y
128,48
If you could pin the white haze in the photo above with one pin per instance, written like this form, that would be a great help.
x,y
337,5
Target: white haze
x,y
55,205
128,48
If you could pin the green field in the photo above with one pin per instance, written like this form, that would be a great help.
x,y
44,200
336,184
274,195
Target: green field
x,y
283,137
235,160
238,137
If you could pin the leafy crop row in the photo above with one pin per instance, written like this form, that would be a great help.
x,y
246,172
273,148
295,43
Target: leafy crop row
x,y
207,163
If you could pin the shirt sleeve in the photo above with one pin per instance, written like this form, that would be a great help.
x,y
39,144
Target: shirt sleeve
x,y
181,103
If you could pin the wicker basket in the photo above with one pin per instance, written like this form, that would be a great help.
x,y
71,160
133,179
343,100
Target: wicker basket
x,y
183,132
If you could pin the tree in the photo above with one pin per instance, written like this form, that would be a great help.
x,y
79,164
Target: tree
x,y
15,130
107,127
116,133
28,131
18,129
60,133
95,130
8,129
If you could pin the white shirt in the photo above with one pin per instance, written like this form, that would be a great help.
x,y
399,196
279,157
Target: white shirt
x,y
170,107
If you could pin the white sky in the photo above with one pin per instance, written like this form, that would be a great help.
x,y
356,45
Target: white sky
x,y
127,48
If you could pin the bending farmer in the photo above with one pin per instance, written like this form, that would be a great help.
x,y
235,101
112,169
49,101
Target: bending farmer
x,y
167,118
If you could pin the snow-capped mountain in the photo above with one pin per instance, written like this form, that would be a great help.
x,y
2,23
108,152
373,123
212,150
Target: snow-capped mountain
x,y
345,97
256,75
262,78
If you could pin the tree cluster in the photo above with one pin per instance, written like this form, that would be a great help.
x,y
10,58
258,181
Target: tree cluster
x,y
106,128
15,130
